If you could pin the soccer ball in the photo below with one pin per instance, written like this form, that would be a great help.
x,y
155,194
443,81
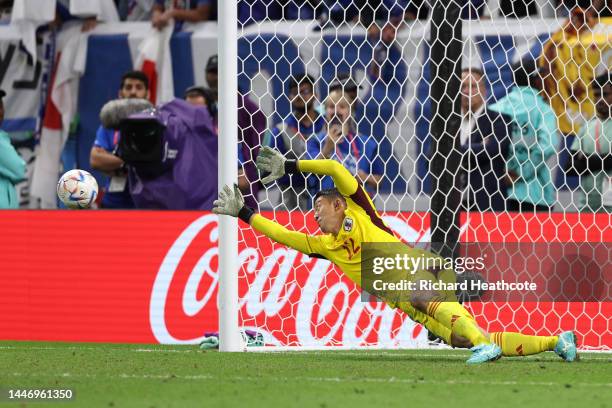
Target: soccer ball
x,y
77,189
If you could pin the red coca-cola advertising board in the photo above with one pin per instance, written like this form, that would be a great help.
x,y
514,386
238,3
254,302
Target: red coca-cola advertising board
x,y
151,277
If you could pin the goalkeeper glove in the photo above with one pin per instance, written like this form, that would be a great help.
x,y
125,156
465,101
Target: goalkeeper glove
x,y
231,203
270,161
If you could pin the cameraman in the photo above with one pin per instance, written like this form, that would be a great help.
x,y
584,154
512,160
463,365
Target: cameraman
x,y
134,84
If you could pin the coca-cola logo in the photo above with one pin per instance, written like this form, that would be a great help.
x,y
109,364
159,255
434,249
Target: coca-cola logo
x,y
292,299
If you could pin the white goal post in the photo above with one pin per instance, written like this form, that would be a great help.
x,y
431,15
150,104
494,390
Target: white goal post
x,y
229,335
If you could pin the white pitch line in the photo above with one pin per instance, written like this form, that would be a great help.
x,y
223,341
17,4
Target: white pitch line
x,y
584,355
389,380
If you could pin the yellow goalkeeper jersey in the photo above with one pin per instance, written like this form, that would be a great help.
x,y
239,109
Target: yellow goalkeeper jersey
x,y
362,223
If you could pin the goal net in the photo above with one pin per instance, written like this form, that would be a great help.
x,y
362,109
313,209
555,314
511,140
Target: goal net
x,y
511,112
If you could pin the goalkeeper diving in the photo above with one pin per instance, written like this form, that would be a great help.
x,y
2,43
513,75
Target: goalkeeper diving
x,y
347,218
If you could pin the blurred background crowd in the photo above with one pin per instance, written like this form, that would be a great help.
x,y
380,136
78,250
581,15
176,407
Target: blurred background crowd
x,y
547,131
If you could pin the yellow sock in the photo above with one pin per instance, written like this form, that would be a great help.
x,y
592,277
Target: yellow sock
x,y
518,344
455,317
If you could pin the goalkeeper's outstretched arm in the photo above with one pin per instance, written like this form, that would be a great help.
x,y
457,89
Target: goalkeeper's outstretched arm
x,y
344,181
231,203
273,162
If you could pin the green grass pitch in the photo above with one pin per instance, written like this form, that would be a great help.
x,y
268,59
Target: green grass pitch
x,y
112,375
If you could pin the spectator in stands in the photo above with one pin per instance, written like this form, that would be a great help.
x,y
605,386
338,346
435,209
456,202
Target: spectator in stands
x,y
5,11
196,95
534,141
386,64
134,84
291,137
594,8
592,151
252,124
212,74
568,69
201,96
344,82
142,10
387,74
484,142
339,141
191,11
12,166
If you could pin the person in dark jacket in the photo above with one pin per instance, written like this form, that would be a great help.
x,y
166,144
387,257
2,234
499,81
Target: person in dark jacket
x,y
484,143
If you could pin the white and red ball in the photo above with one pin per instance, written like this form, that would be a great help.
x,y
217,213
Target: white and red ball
x,y
77,189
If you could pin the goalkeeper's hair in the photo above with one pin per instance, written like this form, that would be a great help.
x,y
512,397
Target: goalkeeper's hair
x,y
330,194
